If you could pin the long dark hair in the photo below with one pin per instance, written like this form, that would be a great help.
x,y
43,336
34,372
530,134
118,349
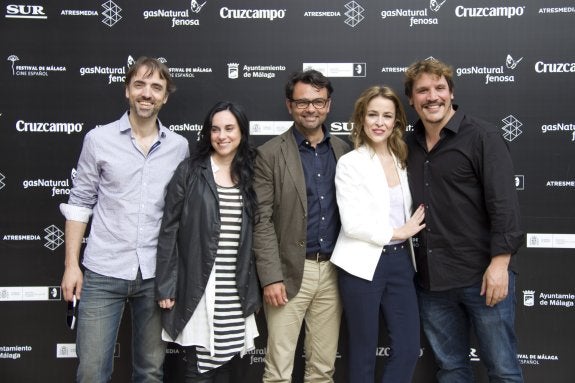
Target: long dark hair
x,y
242,169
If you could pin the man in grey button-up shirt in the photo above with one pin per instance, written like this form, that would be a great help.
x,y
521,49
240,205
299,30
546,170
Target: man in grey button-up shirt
x,y
122,174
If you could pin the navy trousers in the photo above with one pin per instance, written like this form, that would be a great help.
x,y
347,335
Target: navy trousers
x,y
391,292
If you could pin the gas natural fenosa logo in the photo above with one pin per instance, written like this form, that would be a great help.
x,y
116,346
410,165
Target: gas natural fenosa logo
x,y
197,7
114,74
416,16
434,5
179,17
511,63
496,74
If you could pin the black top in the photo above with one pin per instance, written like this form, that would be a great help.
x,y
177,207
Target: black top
x,y
471,207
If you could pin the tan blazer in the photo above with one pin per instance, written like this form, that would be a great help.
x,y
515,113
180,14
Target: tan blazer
x,y
281,223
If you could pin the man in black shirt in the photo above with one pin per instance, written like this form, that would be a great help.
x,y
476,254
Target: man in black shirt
x,y
461,170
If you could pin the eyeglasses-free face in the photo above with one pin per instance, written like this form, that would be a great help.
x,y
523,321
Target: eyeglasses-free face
x,y
379,121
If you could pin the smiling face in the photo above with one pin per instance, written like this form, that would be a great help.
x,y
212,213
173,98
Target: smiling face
x,y
309,119
225,134
146,94
431,99
379,121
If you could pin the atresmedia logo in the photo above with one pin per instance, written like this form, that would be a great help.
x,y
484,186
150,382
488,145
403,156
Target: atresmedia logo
x,y
511,128
111,13
54,237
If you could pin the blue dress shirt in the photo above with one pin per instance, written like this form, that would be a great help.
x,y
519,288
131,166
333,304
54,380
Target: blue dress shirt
x,y
124,189
322,213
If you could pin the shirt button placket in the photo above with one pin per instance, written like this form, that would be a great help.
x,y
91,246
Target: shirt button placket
x,y
426,201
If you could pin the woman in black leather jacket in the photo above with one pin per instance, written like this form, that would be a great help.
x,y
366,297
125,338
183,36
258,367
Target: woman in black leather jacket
x,y
206,279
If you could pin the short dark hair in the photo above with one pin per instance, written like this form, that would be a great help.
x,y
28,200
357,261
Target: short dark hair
x,y
310,76
152,65
430,66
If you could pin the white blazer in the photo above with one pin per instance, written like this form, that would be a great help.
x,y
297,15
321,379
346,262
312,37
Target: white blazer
x,y
364,203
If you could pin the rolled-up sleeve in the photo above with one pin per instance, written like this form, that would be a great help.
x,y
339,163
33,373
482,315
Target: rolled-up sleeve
x,y
75,213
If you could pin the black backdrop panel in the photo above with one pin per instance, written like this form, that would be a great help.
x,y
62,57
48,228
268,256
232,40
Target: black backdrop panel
x,y
62,69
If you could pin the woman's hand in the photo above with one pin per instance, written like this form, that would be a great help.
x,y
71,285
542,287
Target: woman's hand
x,y
412,226
167,303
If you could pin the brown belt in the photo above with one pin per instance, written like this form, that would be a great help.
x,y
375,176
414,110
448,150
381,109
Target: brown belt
x,y
318,257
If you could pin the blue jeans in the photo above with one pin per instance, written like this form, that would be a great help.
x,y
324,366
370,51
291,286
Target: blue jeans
x,y
99,316
391,293
447,316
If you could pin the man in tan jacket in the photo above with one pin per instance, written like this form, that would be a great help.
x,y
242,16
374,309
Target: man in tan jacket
x,y
296,229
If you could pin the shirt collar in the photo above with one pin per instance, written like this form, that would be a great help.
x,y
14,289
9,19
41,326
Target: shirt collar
x,y
301,140
455,121
452,125
125,125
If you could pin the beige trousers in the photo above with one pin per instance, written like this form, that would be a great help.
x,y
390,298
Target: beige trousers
x,y
318,304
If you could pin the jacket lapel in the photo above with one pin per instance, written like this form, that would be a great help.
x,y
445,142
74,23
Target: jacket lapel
x,y
208,175
338,150
290,153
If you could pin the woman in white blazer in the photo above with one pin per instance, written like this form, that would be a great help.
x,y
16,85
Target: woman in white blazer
x,y
374,252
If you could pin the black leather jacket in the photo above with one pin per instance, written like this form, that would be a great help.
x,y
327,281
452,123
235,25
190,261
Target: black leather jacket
x,y
187,246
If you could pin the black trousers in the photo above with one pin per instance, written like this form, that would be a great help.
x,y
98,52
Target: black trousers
x,y
221,374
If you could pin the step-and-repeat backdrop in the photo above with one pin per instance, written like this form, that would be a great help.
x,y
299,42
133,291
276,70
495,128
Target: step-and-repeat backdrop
x,y
62,69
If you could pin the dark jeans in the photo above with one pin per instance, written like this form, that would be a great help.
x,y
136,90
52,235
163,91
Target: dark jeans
x,y
447,316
